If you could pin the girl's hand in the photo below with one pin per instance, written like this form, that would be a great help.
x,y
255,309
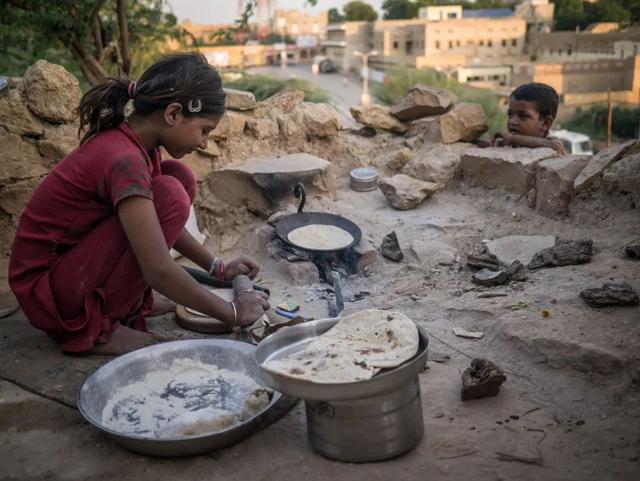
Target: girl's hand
x,y
250,306
502,138
241,266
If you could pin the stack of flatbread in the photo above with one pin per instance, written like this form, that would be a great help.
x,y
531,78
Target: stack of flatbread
x,y
355,349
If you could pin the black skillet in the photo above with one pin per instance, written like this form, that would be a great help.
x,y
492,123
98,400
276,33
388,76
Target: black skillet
x,y
294,221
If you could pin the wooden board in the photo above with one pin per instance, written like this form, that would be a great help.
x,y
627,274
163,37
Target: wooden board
x,y
194,321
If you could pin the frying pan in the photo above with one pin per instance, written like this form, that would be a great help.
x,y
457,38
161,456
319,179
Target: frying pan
x,y
294,221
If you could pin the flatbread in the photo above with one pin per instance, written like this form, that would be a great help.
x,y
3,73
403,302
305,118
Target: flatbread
x,y
320,237
355,349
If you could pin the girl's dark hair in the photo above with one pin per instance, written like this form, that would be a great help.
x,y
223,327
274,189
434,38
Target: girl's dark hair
x,y
184,78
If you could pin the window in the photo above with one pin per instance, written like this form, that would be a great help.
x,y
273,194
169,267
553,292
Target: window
x,y
481,43
504,42
457,43
489,43
409,47
514,42
452,15
450,44
395,45
437,43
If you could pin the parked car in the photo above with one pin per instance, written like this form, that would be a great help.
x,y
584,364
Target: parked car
x,y
325,64
574,142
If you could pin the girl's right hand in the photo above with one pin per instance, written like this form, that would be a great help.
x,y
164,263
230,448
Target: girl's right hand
x,y
250,306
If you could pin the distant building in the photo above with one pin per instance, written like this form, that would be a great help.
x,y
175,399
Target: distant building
x,y
537,13
297,23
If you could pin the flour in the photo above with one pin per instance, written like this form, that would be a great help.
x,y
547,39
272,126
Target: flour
x,y
185,399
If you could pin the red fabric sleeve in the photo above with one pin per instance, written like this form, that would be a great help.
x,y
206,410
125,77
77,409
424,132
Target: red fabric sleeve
x,y
127,176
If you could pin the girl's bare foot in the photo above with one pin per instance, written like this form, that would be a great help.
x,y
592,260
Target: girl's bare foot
x,y
124,339
161,305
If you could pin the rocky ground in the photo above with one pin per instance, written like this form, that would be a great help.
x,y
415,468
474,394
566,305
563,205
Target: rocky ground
x,y
569,409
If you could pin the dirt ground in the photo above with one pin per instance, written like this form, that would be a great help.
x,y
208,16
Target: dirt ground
x,y
571,399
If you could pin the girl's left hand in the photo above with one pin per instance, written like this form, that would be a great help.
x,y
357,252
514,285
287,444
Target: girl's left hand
x,y
241,266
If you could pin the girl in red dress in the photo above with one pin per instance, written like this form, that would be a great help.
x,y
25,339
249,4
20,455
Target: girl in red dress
x,y
95,237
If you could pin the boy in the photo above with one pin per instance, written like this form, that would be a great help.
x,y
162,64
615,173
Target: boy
x,y
532,109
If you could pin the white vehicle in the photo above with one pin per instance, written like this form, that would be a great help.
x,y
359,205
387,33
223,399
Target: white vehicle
x,y
573,142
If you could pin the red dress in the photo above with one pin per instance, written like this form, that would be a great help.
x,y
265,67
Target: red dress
x,y
72,269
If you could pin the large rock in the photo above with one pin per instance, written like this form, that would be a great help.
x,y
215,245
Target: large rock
x,y
52,93
432,253
505,167
14,196
438,163
16,118
623,179
283,101
617,293
58,141
20,159
563,253
231,125
422,100
519,247
464,122
377,117
239,100
404,192
319,120
259,184
262,128
399,159
590,177
554,183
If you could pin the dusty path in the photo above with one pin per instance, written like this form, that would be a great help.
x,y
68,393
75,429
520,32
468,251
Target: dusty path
x,y
571,398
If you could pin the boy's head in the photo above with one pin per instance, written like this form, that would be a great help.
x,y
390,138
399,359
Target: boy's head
x,y
532,109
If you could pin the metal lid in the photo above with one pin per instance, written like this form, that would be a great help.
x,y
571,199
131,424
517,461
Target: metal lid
x,y
364,174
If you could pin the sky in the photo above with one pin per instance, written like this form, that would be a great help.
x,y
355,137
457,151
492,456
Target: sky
x,y
224,11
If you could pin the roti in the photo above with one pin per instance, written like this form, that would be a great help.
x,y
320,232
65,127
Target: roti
x,y
320,237
355,349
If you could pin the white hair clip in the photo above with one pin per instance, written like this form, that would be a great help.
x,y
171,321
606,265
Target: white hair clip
x,y
194,105
106,111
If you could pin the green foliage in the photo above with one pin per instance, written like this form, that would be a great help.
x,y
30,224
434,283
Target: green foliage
x,y
357,10
277,38
264,86
334,16
572,14
399,9
398,82
593,122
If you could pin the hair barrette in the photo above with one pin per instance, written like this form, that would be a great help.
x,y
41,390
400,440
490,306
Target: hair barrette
x,y
194,105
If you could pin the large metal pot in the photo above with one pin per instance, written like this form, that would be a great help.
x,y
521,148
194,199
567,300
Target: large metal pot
x,y
364,421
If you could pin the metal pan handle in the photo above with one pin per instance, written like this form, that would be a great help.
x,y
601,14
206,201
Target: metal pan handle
x,y
299,192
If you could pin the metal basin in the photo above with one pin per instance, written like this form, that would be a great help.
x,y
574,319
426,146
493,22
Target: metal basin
x,y
132,367
296,338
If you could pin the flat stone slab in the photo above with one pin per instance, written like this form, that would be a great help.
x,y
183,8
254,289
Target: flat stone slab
x,y
611,294
259,184
563,253
503,167
239,100
422,100
590,176
554,183
519,247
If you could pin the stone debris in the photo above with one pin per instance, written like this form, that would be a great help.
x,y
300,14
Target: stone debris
x,y
563,253
633,251
239,100
377,117
554,183
51,92
399,159
518,247
390,248
464,122
490,278
432,253
16,118
231,125
590,177
318,120
404,192
482,379
421,101
483,261
460,332
618,293
438,163
621,181
503,167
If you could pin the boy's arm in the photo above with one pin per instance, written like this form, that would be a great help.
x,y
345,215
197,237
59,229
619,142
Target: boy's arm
x,y
514,140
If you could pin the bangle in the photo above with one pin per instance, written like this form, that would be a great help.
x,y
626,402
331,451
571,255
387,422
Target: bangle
x,y
235,314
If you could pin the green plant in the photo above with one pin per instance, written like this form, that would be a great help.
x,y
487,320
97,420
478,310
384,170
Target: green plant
x,y
593,122
264,86
398,81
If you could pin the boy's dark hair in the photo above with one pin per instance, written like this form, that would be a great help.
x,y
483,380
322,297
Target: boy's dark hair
x,y
184,78
543,95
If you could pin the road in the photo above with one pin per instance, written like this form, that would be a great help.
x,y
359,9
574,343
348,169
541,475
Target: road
x,y
344,91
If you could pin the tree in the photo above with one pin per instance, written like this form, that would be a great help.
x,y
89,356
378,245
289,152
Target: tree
x,y
399,9
334,16
572,14
100,35
359,11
